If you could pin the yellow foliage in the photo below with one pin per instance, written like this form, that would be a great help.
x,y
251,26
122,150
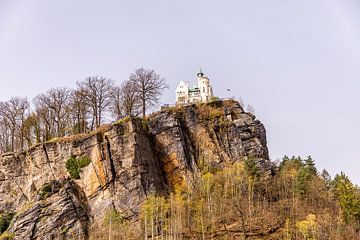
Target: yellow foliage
x,y
308,226
6,236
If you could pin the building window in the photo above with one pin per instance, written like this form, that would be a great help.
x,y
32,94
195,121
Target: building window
x,y
203,89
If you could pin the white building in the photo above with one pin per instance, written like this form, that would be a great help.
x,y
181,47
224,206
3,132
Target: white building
x,y
202,92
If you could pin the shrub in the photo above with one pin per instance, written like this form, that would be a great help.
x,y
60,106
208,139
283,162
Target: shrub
x,y
84,161
7,236
5,220
209,113
113,217
145,124
308,226
73,168
45,190
74,165
215,99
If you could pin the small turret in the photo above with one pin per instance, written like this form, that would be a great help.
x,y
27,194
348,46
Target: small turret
x,y
200,74
204,87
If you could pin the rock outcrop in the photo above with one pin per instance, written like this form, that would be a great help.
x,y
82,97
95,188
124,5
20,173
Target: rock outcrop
x,y
130,160
58,213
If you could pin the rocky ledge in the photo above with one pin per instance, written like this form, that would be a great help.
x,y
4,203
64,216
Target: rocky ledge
x,y
62,188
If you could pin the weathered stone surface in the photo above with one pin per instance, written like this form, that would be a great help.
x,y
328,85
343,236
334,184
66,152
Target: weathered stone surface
x,y
130,160
192,138
60,215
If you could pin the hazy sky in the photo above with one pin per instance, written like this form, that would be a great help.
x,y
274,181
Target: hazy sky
x,y
296,62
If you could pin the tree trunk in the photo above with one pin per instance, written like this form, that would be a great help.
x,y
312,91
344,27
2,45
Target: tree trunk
x,y
144,107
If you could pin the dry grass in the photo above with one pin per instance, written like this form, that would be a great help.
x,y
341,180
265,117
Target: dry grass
x,y
208,112
81,136
125,231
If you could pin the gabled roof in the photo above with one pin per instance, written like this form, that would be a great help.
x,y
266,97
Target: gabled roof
x,y
182,85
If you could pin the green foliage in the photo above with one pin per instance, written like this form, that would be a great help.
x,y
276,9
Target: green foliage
x,y
326,177
293,163
113,216
145,124
5,220
84,161
74,165
348,196
303,171
251,168
294,204
73,168
309,165
45,190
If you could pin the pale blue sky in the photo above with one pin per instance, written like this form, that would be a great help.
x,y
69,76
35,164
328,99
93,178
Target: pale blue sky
x,y
296,62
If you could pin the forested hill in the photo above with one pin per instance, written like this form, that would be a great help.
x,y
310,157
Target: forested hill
x,y
193,172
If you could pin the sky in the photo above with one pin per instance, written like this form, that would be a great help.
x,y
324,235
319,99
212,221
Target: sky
x,y
296,62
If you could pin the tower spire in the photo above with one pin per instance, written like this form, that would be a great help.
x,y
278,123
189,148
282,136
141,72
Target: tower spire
x,y
200,74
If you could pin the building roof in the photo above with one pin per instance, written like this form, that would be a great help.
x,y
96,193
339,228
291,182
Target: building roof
x,y
200,74
194,89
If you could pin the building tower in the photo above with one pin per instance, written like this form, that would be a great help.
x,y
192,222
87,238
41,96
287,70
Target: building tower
x,y
206,92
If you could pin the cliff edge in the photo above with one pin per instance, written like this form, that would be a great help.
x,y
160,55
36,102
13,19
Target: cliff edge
x,y
62,188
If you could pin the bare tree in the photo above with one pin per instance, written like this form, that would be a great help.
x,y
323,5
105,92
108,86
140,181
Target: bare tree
x,y
13,114
130,99
125,101
61,106
79,111
250,109
32,129
61,111
45,118
55,104
5,133
149,86
97,92
115,103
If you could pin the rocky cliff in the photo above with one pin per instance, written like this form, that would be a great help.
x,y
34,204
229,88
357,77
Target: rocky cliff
x,y
127,161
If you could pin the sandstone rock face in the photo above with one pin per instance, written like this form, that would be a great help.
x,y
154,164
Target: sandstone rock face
x,y
61,215
205,136
130,160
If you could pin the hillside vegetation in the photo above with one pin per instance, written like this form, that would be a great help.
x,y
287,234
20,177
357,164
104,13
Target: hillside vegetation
x,y
297,202
199,171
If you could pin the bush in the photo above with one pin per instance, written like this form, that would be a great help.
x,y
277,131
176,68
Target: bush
x,y
145,124
45,190
113,217
73,168
210,112
74,165
7,236
308,227
5,220
84,161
